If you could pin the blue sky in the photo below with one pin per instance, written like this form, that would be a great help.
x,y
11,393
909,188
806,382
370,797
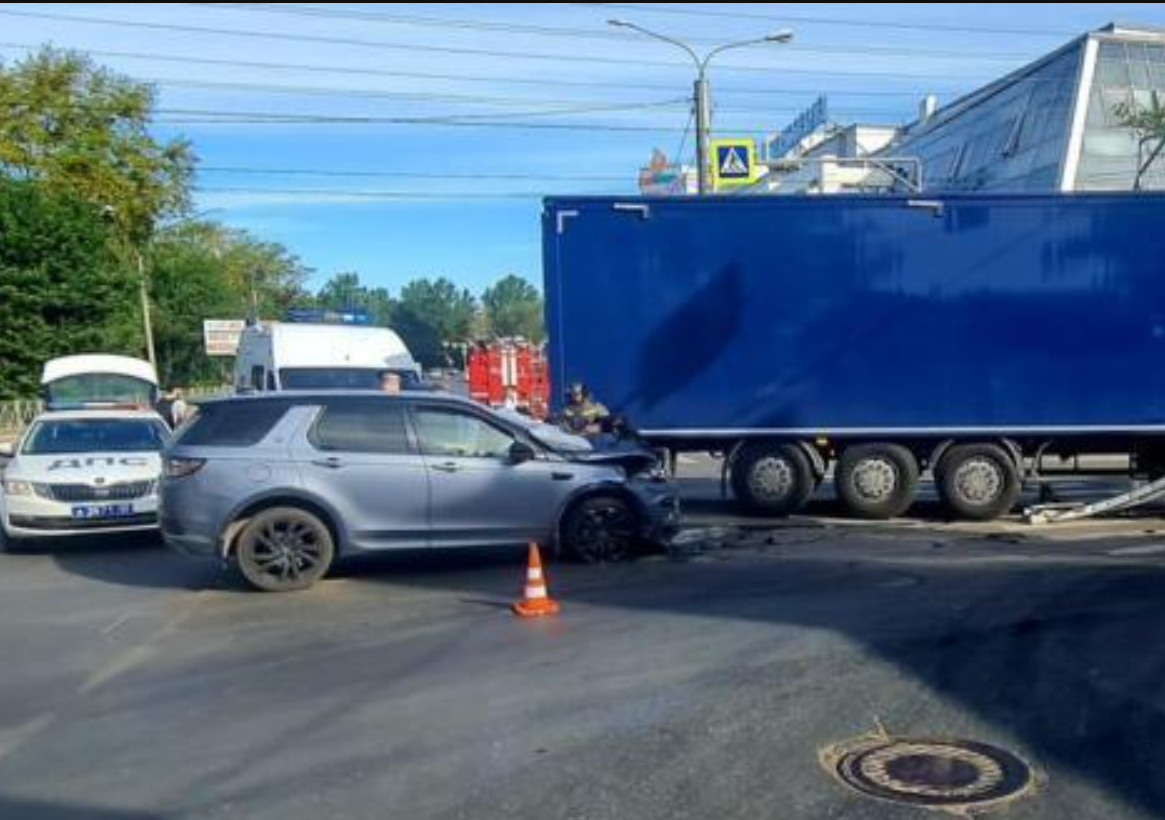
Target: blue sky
x,y
396,200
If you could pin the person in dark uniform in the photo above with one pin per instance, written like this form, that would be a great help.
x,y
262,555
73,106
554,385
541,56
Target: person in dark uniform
x,y
583,415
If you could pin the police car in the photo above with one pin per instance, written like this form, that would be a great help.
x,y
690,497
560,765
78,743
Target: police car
x,y
91,462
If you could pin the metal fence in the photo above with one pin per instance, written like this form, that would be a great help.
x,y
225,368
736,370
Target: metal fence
x,y
16,415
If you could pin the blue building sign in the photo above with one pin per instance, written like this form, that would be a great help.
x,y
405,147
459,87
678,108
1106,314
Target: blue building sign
x,y
806,123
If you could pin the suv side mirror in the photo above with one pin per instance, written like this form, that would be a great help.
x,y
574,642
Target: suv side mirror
x,y
7,450
521,452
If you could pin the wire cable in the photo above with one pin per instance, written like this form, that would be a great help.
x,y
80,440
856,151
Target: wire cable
x,y
422,48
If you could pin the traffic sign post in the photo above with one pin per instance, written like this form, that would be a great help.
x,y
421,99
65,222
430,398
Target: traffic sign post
x,y
221,336
733,163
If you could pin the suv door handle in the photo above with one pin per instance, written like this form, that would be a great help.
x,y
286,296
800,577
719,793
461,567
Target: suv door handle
x,y
447,467
330,463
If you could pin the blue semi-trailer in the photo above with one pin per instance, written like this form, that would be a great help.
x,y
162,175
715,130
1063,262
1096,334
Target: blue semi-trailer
x,y
975,337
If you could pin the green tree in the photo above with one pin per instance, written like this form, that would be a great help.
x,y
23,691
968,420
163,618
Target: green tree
x,y
344,291
268,277
84,129
62,288
203,270
513,308
1148,125
433,314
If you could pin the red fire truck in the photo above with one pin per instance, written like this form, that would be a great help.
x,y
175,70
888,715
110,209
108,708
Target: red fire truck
x,y
509,373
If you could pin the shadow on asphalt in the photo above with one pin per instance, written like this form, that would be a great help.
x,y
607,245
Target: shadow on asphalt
x,y
426,566
139,560
13,809
144,562
1065,655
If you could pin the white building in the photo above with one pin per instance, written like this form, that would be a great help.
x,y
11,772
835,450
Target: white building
x,y
1053,125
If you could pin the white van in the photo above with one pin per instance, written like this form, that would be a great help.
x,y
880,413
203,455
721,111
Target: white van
x,y
277,356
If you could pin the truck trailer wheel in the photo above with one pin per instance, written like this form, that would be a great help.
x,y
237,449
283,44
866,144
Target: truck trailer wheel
x,y
978,482
776,479
877,481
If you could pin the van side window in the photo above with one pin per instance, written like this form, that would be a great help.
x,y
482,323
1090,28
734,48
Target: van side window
x,y
257,377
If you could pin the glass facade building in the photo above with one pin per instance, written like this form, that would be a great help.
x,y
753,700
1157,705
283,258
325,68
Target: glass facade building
x,y
1054,125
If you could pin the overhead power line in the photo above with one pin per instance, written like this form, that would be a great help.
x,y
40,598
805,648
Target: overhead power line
x,y
197,116
220,117
340,193
519,120
434,49
338,173
498,26
555,103
542,82
554,106
659,8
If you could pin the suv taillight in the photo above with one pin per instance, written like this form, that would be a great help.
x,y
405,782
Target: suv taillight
x,y
182,467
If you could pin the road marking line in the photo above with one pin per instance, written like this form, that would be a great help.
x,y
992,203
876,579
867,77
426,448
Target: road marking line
x,y
12,739
116,624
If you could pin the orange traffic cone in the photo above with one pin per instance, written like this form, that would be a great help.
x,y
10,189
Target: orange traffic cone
x,y
535,602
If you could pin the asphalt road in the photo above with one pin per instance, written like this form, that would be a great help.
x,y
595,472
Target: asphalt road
x,y
135,683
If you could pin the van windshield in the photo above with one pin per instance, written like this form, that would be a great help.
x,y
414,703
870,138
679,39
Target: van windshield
x,y
342,378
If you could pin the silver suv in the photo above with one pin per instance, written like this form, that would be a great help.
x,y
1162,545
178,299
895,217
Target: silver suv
x,y
284,485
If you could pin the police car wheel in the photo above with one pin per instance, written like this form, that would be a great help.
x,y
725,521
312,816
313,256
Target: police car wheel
x,y
284,549
8,544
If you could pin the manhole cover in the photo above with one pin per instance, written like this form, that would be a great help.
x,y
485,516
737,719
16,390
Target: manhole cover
x,y
954,775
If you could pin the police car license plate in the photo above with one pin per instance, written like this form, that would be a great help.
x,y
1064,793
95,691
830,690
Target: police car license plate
x,y
99,511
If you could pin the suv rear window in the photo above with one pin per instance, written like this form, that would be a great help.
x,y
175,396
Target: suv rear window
x,y
233,424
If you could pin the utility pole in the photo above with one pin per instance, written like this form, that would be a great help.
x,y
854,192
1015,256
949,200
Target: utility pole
x,y
144,294
702,96
110,212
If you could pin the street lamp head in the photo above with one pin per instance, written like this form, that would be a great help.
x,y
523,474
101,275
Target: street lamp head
x,y
783,36
619,23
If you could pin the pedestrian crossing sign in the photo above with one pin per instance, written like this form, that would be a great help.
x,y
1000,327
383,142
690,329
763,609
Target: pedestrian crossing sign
x,y
733,163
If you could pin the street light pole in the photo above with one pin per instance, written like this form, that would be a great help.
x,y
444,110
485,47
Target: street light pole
x,y
702,92
703,133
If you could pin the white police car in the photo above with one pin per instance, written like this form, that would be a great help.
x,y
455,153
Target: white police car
x,y
83,471
92,462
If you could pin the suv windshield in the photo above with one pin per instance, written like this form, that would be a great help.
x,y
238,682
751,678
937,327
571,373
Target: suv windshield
x,y
341,378
71,436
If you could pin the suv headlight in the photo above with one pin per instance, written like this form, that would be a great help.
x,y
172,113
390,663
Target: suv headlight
x,y
14,487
